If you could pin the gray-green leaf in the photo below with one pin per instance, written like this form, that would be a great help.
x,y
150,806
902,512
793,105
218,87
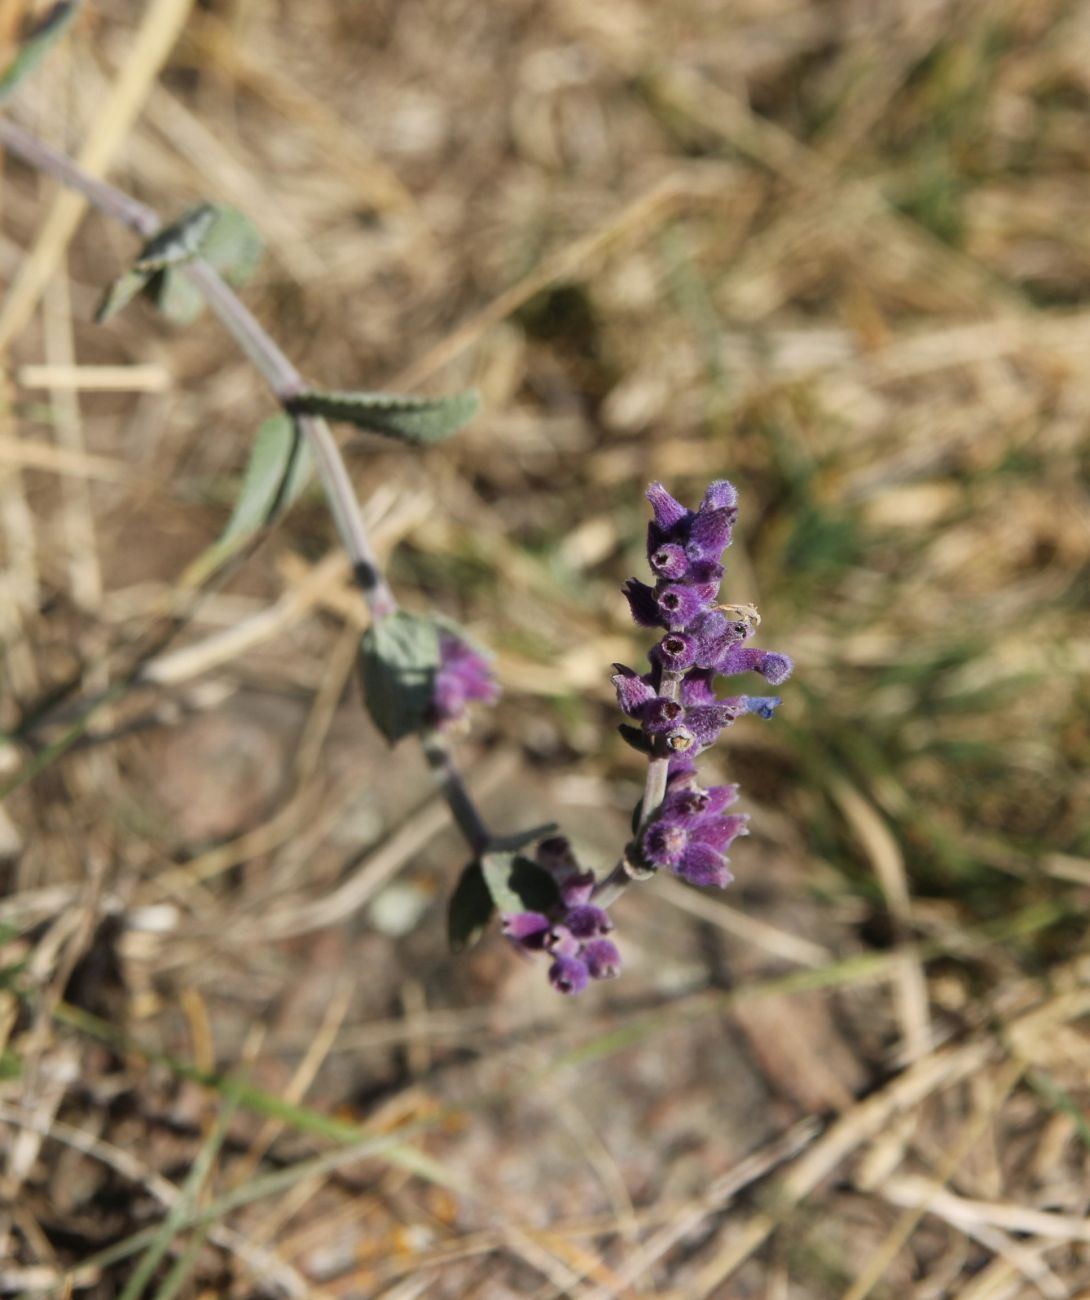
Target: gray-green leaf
x,y
470,910
179,242
422,420
37,45
180,301
232,245
399,658
123,290
278,470
227,240
518,884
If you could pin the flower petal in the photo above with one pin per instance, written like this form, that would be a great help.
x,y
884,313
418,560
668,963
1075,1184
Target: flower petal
x,y
602,959
668,511
632,691
587,921
701,865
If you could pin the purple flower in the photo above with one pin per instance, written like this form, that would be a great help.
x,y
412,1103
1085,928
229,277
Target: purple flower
x,y
692,833
463,674
572,931
602,959
676,652
679,603
569,975
774,668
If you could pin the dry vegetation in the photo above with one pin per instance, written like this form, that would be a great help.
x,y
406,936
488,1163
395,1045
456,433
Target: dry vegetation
x,y
835,251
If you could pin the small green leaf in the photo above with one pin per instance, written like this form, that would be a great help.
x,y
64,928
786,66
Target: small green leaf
x,y
179,242
180,301
37,45
278,470
233,245
470,910
227,240
399,658
118,296
517,884
422,420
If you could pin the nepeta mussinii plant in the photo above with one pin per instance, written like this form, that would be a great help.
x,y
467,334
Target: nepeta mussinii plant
x,y
420,672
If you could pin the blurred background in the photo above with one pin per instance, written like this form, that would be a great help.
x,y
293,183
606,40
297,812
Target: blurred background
x,y
834,251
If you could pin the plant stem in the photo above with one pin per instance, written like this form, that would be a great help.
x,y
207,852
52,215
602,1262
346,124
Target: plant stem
x,y
449,780
286,382
626,871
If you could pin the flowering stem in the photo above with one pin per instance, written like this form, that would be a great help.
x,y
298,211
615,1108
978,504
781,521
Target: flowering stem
x,y
449,780
286,382
654,791
658,769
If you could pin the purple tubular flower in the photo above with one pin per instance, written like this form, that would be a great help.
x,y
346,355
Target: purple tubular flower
x,y
706,722
667,560
710,534
661,716
676,652
602,959
587,921
463,674
720,495
632,691
668,511
569,975
530,929
774,668
679,603
692,834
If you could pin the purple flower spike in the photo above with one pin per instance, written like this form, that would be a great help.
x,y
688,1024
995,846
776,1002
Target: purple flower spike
x,y
463,674
668,511
602,959
676,704
569,975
